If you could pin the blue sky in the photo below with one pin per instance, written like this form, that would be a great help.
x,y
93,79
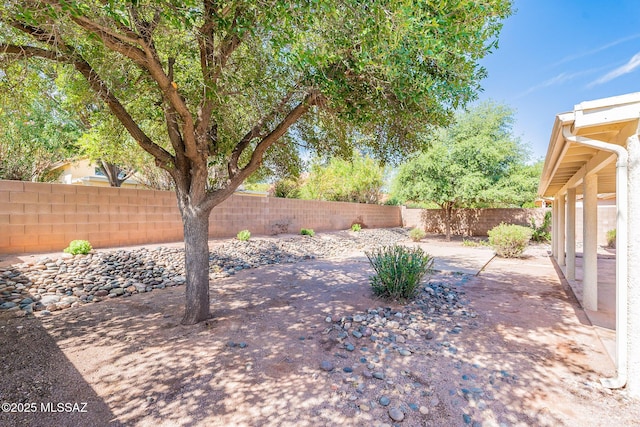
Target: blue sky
x,y
553,55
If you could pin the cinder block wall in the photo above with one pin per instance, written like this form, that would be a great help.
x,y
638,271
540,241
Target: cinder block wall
x,y
470,222
37,217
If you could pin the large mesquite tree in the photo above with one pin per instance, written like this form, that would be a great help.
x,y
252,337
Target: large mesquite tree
x,y
233,81
475,162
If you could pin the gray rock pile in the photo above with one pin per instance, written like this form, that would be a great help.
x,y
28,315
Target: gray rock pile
x,y
55,283
373,357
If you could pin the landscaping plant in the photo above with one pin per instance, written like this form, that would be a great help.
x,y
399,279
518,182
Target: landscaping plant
x,y
243,235
78,247
611,238
541,234
417,234
398,270
509,240
356,227
307,232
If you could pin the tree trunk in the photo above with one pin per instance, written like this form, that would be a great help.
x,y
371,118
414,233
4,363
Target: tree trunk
x,y
111,171
196,259
448,223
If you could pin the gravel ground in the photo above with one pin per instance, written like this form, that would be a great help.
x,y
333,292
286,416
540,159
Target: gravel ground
x,y
55,283
298,343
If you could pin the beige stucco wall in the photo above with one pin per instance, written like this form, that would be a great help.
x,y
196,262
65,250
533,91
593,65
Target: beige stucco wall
x,y
37,217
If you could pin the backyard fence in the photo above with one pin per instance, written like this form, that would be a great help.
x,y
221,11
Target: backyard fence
x,y
40,217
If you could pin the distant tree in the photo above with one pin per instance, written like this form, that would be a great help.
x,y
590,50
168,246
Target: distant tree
x,y
358,180
35,131
232,80
475,162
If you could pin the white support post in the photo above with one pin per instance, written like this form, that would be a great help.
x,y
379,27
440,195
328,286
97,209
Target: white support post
x,y
590,243
571,234
633,269
554,228
561,230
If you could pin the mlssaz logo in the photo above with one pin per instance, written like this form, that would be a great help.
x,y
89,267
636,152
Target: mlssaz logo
x,y
63,407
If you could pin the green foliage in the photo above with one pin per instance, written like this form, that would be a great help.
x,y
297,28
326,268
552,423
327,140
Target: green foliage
x,y
417,234
508,240
398,271
474,243
35,131
543,232
476,162
307,232
358,180
356,227
243,235
611,238
262,187
78,247
383,70
287,188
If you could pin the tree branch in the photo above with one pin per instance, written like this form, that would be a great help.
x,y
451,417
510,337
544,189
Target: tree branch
x,y
254,133
212,64
215,197
68,54
148,59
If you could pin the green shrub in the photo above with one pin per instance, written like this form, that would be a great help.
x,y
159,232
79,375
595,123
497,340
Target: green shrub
x,y
307,232
398,270
78,247
474,243
417,234
611,238
541,234
508,240
356,227
243,235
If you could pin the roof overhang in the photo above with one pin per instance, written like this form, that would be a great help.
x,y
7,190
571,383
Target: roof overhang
x,y
611,120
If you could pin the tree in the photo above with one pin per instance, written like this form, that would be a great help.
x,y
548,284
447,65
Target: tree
x,y
475,162
357,180
35,131
233,80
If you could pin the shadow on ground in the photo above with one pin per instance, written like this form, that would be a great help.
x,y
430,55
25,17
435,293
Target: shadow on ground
x,y
523,358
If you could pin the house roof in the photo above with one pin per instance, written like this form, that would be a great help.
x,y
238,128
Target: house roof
x,y
611,120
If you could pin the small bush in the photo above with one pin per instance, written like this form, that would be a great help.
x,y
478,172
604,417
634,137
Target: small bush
x,y
417,234
356,227
243,235
541,234
398,270
78,247
508,240
307,232
611,238
474,243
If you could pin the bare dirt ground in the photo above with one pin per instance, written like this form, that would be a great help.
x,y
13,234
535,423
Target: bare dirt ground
x,y
517,351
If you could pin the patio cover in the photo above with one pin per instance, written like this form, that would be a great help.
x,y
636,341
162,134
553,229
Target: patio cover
x,y
594,150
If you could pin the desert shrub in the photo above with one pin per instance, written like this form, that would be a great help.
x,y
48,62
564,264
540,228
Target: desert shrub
x,y
307,232
611,238
243,235
398,270
356,227
78,247
417,234
508,240
541,234
474,243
